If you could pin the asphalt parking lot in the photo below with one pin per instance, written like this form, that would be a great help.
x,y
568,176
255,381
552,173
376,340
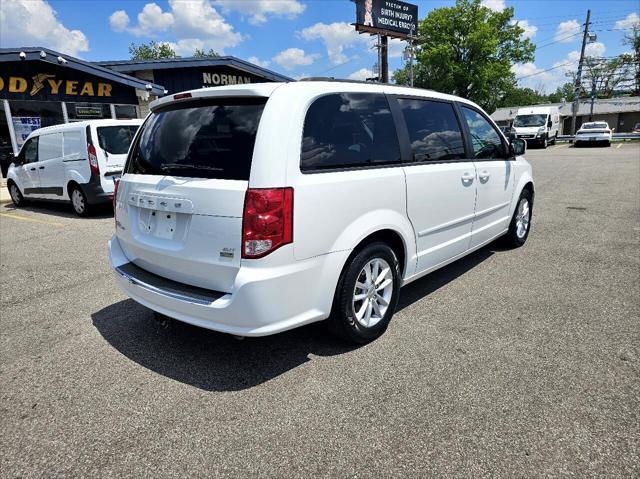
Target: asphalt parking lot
x,y
522,363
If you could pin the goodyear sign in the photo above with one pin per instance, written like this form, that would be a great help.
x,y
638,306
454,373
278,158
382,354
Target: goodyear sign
x,y
44,82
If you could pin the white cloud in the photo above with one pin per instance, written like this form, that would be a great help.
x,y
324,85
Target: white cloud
x,y
361,74
294,57
119,21
565,31
336,37
34,23
631,20
258,11
196,24
396,48
529,30
257,61
495,5
152,20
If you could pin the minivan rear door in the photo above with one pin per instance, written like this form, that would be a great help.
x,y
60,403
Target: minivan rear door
x,y
180,201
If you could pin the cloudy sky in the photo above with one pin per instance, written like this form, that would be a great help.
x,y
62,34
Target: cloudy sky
x,y
295,37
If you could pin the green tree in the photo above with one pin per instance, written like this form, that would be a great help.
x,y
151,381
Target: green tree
x,y
151,51
565,91
603,76
521,96
468,50
200,53
632,39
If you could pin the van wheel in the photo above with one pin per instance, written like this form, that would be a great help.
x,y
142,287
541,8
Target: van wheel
x,y
545,143
79,201
367,295
16,195
555,139
520,222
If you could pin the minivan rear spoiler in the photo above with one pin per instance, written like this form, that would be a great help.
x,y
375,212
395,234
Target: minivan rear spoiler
x,y
263,90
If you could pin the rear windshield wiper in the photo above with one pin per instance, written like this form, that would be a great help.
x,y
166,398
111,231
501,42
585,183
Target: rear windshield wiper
x,y
174,166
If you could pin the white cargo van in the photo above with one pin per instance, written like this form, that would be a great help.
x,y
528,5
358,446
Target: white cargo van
x,y
252,209
538,124
77,162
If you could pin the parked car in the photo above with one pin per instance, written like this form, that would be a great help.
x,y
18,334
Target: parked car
x,y
77,162
538,125
636,128
253,209
593,132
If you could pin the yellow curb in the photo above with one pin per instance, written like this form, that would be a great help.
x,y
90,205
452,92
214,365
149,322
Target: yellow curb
x,y
25,218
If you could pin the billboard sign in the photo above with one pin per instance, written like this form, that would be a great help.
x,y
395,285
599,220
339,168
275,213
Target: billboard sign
x,y
387,17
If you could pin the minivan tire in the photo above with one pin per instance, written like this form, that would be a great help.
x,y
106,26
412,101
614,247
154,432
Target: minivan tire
x,y
79,201
16,195
350,324
516,237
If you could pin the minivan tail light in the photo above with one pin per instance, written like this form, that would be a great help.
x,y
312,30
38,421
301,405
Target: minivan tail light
x,y
93,159
267,221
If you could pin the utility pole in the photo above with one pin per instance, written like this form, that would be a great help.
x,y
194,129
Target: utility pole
x,y
408,56
384,64
593,97
576,90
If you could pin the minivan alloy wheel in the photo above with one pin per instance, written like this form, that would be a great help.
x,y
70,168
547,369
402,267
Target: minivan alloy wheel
x,y
372,292
522,218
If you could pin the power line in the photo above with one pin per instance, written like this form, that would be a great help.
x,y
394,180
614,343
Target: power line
x,y
544,71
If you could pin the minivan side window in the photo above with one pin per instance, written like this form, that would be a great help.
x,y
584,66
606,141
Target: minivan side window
x,y
348,130
73,143
434,131
30,150
487,143
50,146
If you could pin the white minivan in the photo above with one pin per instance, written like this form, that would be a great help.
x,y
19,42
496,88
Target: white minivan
x,y
253,209
77,162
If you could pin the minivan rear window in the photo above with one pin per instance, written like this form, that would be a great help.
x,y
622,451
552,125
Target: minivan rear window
x,y
116,140
211,138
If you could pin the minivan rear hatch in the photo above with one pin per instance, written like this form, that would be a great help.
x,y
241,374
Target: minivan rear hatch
x,y
180,201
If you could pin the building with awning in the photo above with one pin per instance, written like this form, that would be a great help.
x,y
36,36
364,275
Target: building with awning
x,y
180,74
621,113
41,87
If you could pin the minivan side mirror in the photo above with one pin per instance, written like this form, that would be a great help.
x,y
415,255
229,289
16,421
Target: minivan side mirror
x,y
549,123
517,147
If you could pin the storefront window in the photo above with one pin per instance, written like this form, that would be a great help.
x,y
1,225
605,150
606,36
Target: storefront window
x,y
28,116
88,111
5,142
126,112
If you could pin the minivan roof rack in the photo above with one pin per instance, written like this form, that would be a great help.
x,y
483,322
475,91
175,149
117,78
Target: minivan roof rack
x,y
362,82
341,80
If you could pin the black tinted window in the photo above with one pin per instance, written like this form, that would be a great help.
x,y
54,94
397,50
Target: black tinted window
x,y
487,143
116,139
204,139
347,130
434,131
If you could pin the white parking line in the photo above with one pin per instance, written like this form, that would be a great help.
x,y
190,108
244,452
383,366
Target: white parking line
x,y
618,145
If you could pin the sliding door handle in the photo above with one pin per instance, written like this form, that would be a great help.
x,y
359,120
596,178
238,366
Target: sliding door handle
x,y
467,177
